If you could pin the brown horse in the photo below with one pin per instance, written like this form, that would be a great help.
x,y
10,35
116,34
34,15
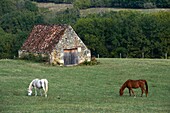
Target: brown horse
x,y
134,84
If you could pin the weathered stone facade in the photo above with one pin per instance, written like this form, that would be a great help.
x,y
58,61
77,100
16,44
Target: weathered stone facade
x,y
70,41
68,49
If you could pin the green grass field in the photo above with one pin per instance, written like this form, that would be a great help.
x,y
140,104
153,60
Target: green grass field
x,y
85,89
84,12
88,11
54,7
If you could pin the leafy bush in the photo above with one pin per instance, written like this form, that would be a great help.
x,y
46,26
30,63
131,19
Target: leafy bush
x,y
35,57
92,62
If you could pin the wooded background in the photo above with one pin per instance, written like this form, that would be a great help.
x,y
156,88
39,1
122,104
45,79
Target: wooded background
x,y
132,34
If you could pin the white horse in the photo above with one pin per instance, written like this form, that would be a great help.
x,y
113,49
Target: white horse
x,y
40,84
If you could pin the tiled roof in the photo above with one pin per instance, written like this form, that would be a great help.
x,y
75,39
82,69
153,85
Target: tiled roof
x,y
43,38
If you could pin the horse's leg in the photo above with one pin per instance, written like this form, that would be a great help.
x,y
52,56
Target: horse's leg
x,y
44,90
40,92
129,91
132,92
142,89
45,94
35,91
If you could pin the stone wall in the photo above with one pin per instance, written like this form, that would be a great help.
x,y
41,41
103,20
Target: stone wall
x,y
70,40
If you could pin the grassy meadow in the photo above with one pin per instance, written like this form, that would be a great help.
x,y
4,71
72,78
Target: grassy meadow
x,y
88,11
85,89
54,7
84,12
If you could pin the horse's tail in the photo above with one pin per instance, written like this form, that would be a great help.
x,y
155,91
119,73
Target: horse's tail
x,y
46,86
146,88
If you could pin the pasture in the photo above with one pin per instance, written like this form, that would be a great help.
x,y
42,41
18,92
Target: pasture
x,y
88,11
85,89
84,12
54,7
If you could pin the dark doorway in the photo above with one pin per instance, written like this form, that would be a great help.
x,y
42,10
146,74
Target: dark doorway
x,y
70,57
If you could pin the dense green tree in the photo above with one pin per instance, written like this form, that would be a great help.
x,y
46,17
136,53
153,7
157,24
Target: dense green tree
x,y
82,4
6,44
126,34
163,32
92,33
19,21
30,6
6,6
17,17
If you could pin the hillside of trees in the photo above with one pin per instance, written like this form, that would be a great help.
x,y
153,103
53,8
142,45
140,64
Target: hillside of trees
x,y
123,34
17,17
129,34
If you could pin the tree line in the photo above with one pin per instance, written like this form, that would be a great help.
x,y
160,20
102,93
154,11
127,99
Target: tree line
x,y
17,17
82,4
123,34
126,34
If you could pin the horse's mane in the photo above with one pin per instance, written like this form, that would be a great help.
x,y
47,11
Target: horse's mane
x,y
30,86
124,85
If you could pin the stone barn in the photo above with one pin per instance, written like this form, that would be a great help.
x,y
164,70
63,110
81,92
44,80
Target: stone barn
x,y
59,42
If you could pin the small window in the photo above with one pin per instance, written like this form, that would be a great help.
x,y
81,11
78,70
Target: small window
x,y
86,52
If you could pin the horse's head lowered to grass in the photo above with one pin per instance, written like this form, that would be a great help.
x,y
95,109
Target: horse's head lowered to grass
x,y
134,84
38,84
